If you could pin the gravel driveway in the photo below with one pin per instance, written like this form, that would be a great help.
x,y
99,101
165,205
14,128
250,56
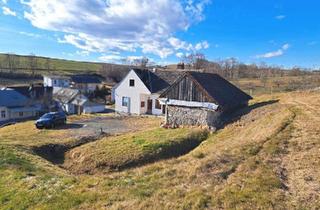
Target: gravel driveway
x,y
107,124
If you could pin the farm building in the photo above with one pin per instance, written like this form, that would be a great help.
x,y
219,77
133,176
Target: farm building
x,y
200,99
72,101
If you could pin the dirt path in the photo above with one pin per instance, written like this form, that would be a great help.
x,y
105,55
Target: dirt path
x,y
302,162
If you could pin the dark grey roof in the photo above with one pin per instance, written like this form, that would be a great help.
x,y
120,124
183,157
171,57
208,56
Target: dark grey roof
x,y
222,91
157,81
11,98
37,91
65,95
86,78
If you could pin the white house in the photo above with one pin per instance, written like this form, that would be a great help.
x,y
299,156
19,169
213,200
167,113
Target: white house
x,y
72,101
56,81
139,91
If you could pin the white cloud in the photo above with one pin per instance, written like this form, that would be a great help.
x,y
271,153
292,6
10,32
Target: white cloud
x,y
8,11
4,1
83,53
30,34
179,55
119,59
117,25
202,45
276,53
280,17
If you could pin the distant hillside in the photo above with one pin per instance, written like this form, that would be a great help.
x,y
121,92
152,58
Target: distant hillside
x,y
41,65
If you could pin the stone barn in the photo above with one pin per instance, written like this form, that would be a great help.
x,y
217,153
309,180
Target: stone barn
x,y
200,99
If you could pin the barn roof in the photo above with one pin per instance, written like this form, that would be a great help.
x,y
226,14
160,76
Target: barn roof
x,y
217,88
221,90
157,81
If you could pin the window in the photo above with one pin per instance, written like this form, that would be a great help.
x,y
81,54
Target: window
x,y
3,114
20,114
143,104
131,82
55,82
158,105
125,101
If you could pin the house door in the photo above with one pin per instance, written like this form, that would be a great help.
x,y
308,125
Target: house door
x,y
149,107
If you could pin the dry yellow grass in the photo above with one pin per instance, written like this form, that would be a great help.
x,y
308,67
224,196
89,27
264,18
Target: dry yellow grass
x,y
268,159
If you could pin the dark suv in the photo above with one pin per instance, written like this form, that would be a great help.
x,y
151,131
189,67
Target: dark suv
x,y
50,120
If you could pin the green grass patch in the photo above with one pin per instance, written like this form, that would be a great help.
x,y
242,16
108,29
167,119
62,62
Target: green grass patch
x,y
129,150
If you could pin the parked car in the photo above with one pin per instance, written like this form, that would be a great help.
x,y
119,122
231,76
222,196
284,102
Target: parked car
x,y
51,120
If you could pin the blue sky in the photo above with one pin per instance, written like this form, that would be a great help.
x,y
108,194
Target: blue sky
x,y
280,32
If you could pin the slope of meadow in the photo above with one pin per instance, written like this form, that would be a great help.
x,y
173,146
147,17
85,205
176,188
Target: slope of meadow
x,y
266,159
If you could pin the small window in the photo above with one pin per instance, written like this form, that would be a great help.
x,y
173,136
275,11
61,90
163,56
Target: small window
x,y
131,82
3,114
158,105
55,82
125,101
20,114
143,104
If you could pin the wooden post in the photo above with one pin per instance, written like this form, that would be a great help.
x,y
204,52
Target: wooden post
x,y
166,114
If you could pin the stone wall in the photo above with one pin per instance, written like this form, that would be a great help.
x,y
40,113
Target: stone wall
x,y
193,116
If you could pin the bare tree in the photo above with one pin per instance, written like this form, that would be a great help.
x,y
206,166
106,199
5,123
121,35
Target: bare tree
x,y
196,61
47,64
32,63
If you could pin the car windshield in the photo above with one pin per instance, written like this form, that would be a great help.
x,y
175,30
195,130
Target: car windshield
x,y
47,116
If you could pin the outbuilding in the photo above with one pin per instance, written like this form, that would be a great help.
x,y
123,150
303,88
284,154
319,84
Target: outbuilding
x,y
199,98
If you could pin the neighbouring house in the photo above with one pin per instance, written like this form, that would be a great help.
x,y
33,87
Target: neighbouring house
x,y
15,107
139,91
56,81
200,99
87,83
73,101
40,95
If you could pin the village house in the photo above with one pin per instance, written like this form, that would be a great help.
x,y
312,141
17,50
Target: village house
x,y
56,81
86,83
73,101
15,106
185,98
139,91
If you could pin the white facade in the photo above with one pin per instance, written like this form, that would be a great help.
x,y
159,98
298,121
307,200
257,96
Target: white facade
x,y
136,99
56,81
93,109
4,114
10,114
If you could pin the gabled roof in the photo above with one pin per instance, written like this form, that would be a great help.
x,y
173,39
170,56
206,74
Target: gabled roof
x,y
221,90
157,81
11,98
65,95
216,88
86,78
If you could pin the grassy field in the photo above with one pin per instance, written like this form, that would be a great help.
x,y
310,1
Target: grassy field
x,y
58,65
267,159
124,151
